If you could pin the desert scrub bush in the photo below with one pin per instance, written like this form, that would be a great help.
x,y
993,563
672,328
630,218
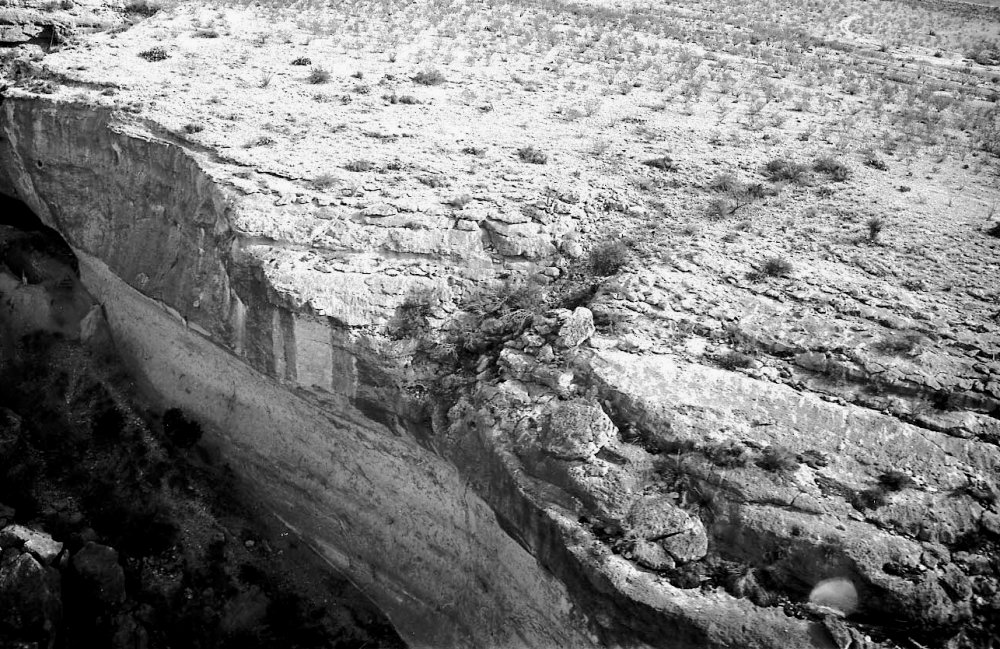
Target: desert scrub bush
x,y
460,201
734,360
302,60
608,258
784,169
318,74
894,480
532,155
433,181
870,498
994,230
663,163
875,225
408,100
836,169
141,8
411,317
900,343
477,151
719,208
773,267
324,181
359,165
725,183
193,127
206,33
778,459
728,455
875,162
154,54
263,140
429,77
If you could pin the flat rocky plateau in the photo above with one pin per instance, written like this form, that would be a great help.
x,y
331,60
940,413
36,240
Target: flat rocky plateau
x,y
558,324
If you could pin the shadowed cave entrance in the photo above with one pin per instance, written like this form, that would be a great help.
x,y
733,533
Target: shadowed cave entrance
x,y
160,547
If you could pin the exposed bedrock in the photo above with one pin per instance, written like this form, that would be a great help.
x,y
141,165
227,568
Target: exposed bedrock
x,y
152,232
569,498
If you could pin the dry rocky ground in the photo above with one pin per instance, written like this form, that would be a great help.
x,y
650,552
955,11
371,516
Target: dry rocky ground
x,y
715,291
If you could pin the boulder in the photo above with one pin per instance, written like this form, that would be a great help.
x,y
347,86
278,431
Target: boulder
x,y
575,430
37,543
30,605
100,573
577,329
657,518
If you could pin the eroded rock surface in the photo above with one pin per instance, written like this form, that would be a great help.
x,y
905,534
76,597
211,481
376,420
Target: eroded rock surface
x,y
675,453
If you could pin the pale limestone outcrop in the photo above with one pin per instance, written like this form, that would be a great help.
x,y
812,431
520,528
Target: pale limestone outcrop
x,y
201,327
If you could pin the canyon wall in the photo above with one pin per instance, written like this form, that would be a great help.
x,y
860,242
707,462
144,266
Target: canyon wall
x,y
278,388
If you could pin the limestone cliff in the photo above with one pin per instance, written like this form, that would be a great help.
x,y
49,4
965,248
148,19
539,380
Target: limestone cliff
x,y
481,460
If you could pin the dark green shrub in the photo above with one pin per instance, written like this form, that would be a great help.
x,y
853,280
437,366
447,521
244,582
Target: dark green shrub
x,y
324,181
875,225
302,60
725,183
994,230
318,74
875,162
836,169
193,127
871,498
429,77
776,267
895,480
734,360
154,54
141,8
777,458
532,155
608,258
359,165
433,181
783,169
663,163
727,455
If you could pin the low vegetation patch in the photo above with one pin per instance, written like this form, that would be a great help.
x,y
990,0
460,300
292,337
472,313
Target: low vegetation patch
x,y
782,169
875,225
532,155
154,54
734,360
778,459
359,165
429,77
836,169
318,74
324,181
608,258
776,267
663,163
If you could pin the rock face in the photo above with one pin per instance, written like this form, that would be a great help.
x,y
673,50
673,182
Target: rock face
x,y
571,490
290,390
